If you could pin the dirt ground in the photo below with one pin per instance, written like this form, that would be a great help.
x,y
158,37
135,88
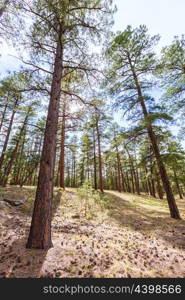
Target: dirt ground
x,y
126,236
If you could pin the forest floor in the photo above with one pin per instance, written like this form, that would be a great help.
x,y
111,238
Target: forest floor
x,y
117,235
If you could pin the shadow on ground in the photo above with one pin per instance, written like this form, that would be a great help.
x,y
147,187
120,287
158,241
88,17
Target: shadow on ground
x,y
147,219
15,260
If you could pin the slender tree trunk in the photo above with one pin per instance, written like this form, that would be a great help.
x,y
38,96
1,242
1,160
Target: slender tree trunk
x,y
152,182
8,134
62,152
132,179
137,181
118,170
40,230
128,183
159,187
123,179
99,158
74,170
4,113
94,160
4,179
82,172
177,184
174,212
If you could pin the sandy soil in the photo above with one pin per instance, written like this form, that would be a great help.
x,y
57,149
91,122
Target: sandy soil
x,y
129,236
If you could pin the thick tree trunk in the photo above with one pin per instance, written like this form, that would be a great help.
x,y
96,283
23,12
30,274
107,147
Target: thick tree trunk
x,y
40,231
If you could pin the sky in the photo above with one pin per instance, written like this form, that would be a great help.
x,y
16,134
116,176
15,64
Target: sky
x,y
164,17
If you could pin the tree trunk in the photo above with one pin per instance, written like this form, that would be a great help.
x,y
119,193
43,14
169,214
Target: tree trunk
x,y
177,184
94,160
8,134
174,212
132,179
62,152
40,230
4,178
128,183
118,170
159,187
123,179
4,113
100,159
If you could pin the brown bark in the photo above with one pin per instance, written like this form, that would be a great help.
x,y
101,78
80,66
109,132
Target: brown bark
x,y
8,134
159,187
62,152
174,212
177,184
99,158
4,114
118,171
128,183
40,230
123,179
4,178
94,160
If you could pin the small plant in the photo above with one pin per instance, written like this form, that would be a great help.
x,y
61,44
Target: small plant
x,y
85,194
91,201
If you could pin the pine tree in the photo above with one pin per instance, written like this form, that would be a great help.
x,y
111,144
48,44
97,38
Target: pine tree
x,y
133,62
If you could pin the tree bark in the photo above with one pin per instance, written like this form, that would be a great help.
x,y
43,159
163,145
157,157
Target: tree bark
x,y
174,212
4,113
8,134
94,160
159,187
177,184
99,158
118,170
4,178
40,230
62,152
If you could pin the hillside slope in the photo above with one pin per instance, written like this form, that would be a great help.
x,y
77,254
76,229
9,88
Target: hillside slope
x,y
117,235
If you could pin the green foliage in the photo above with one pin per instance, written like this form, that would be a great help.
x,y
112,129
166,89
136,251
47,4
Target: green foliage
x,y
91,200
172,73
129,54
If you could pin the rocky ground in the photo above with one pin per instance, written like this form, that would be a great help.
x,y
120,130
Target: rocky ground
x,y
125,236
